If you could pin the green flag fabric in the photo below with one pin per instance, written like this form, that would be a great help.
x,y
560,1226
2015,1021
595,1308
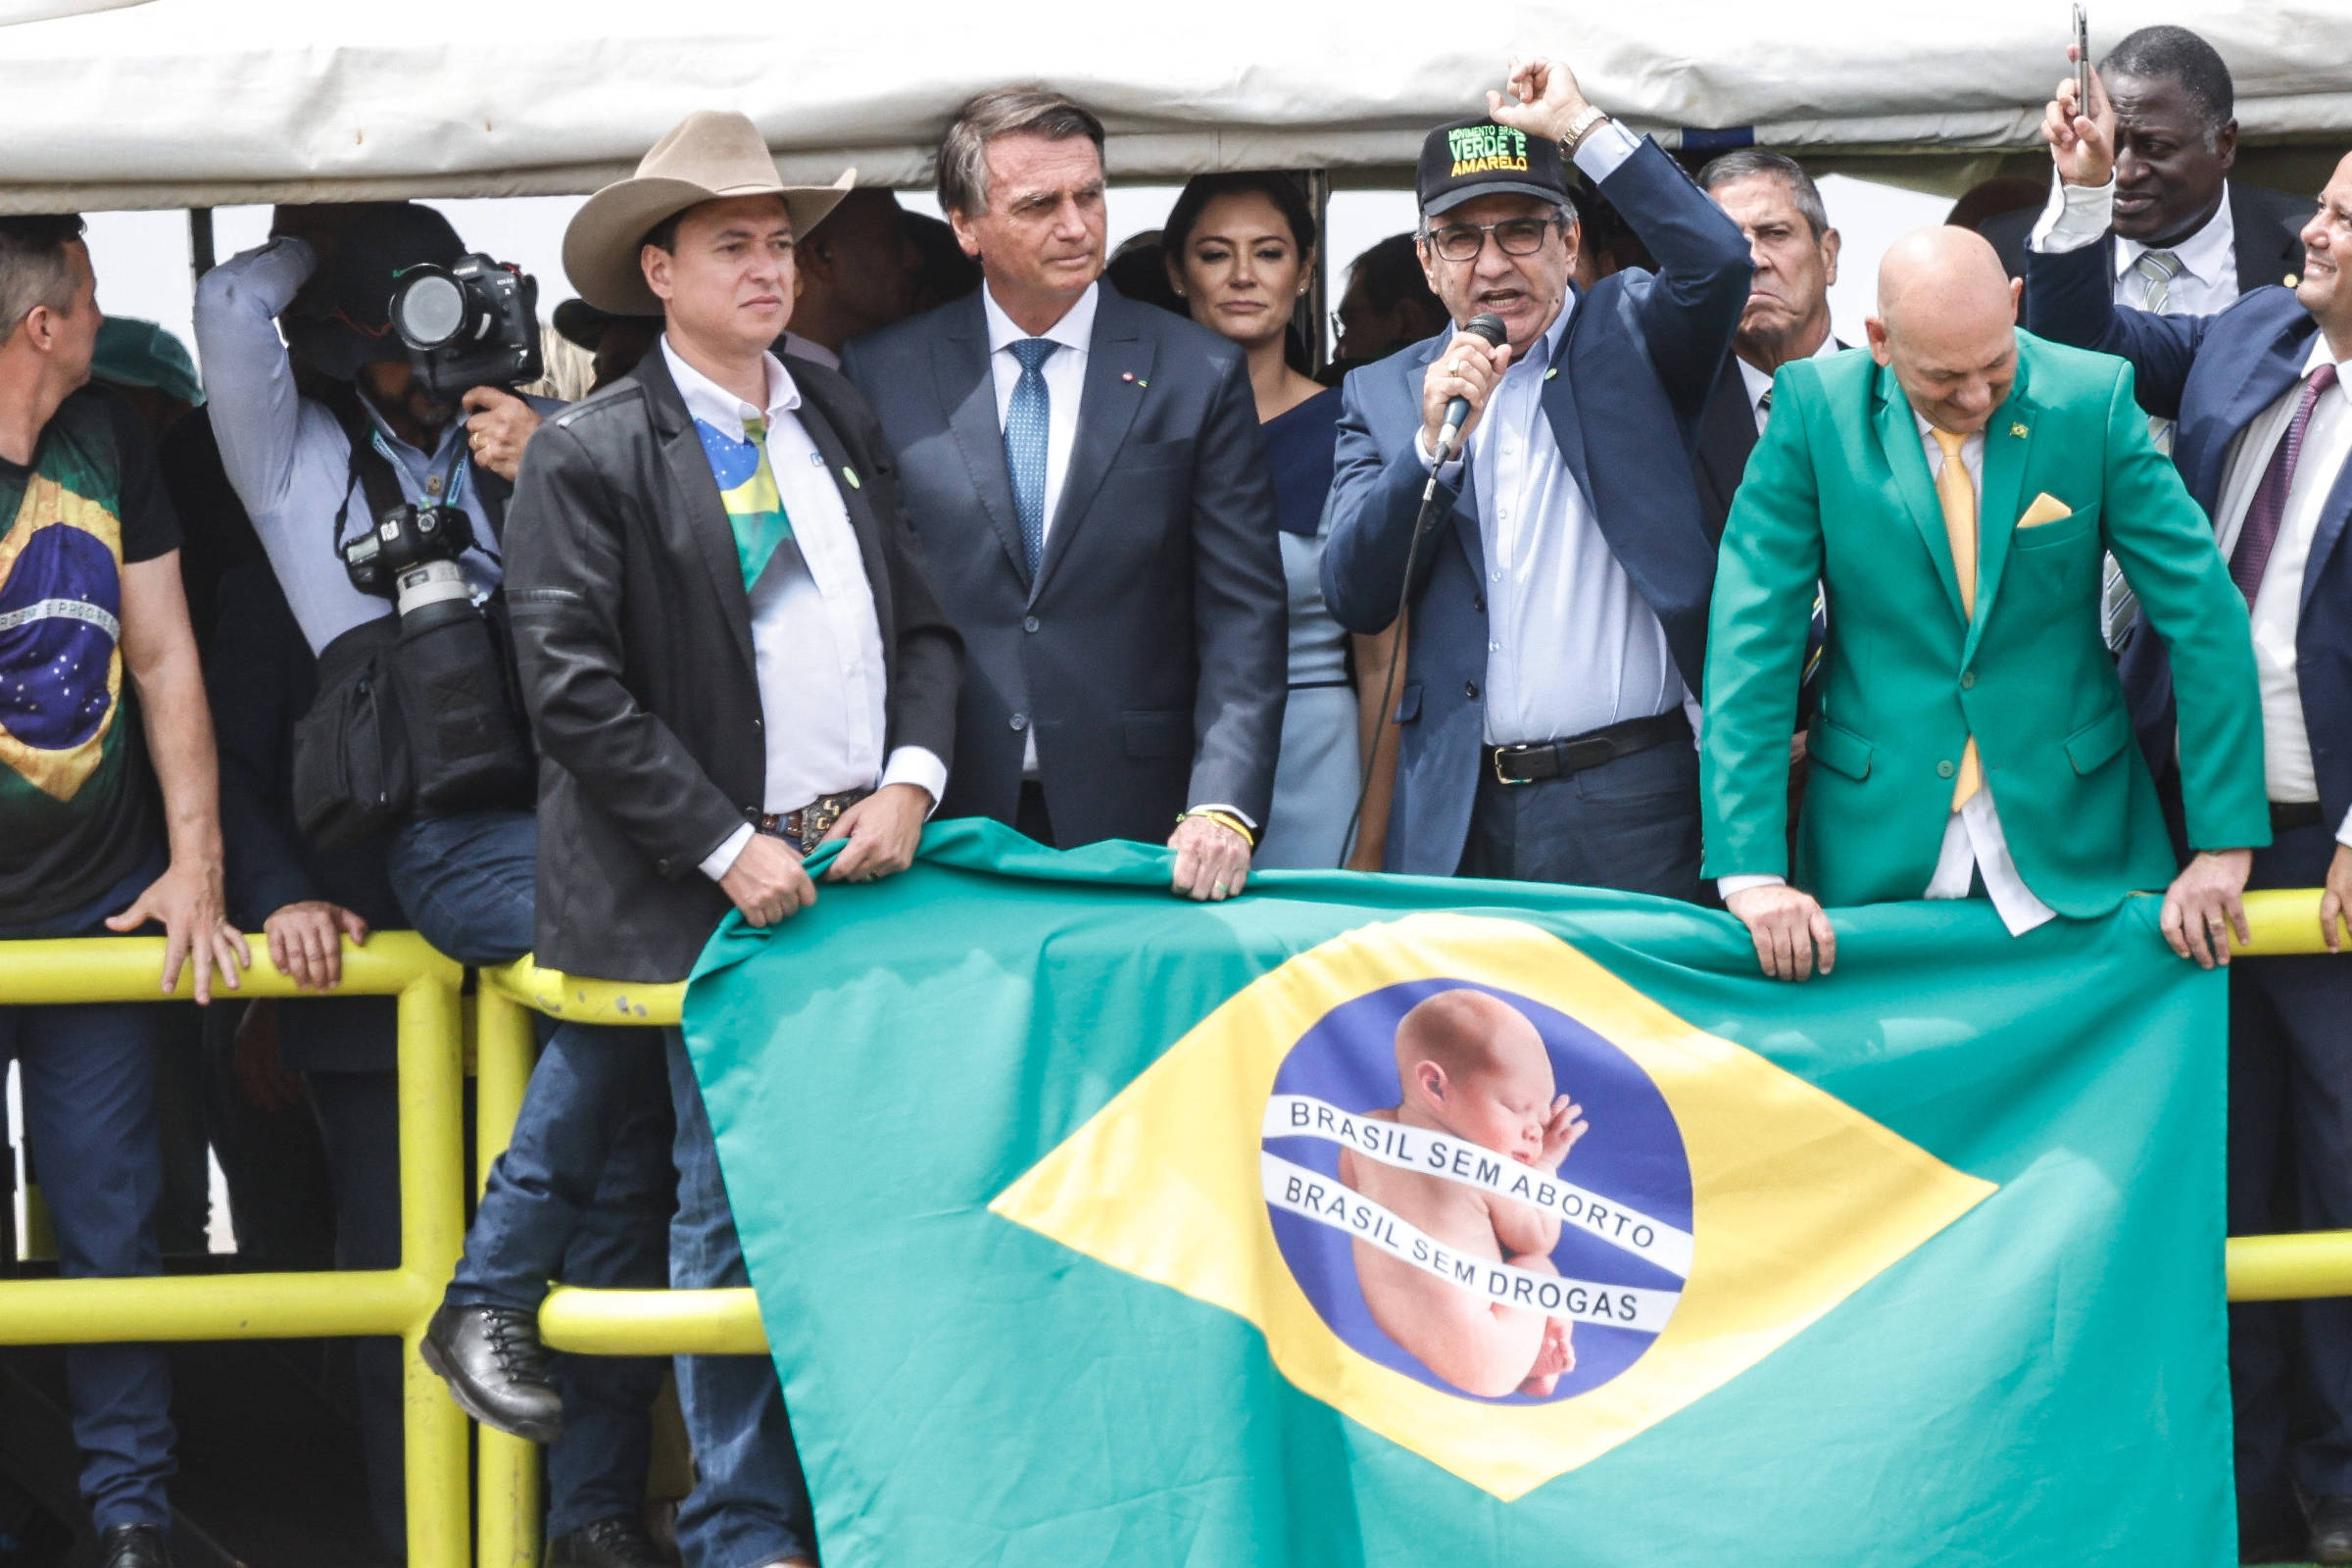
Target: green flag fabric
x,y
1364,1221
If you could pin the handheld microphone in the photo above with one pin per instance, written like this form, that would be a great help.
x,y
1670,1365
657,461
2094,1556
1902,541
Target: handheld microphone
x,y
1457,412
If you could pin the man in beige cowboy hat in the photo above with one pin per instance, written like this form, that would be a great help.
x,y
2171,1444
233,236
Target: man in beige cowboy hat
x,y
729,653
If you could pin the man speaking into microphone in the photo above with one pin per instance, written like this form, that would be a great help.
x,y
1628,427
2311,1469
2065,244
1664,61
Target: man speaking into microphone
x,y
1557,589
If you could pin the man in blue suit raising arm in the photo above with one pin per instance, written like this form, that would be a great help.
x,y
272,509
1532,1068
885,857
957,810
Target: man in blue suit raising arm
x,y
1558,604
2263,396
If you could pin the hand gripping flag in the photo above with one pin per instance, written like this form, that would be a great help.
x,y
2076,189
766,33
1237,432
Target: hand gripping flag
x,y
1364,1221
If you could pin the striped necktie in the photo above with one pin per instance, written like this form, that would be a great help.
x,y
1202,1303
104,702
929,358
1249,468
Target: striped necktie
x,y
2260,531
2118,605
2157,269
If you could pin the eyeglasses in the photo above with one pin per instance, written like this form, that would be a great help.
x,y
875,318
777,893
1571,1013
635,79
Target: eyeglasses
x,y
1514,236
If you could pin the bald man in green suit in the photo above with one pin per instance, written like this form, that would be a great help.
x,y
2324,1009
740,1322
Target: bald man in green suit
x,y
1954,490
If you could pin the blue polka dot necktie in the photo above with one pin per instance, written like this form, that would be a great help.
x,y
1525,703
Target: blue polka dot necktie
x,y
1026,423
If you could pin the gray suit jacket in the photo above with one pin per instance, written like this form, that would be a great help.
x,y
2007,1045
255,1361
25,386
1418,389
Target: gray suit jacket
x,y
1149,657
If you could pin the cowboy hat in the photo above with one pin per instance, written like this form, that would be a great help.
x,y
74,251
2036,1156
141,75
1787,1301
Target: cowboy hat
x,y
711,156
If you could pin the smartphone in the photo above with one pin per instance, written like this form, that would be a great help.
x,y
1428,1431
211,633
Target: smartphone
x,y
2081,64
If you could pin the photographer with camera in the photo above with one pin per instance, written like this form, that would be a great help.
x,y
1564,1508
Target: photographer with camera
x,y
375,448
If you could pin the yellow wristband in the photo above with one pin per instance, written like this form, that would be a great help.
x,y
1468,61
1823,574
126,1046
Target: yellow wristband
x,y
1223,820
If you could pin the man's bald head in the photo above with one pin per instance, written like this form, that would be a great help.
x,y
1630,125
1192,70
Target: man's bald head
x,y
1946,323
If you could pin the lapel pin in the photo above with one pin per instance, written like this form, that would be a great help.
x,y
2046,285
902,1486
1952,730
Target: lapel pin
x,y
2019,430
851,474
1548,375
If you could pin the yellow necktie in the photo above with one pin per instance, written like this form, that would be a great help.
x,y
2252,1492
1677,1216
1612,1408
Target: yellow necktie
x,y
1958,499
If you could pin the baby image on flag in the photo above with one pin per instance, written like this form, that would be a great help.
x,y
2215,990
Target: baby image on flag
x,y
1450,1246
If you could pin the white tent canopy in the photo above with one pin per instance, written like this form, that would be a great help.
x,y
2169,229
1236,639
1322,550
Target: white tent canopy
x,y
174,103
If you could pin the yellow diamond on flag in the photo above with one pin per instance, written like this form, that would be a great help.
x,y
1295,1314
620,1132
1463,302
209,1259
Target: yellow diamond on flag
x,y
1382,1247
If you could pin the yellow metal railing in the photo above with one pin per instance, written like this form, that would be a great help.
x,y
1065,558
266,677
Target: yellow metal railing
x,y
593,1322
275,1306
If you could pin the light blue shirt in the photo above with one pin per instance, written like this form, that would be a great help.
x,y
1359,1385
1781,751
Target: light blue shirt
x,y
1571,647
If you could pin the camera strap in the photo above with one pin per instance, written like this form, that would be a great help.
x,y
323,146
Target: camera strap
x,y
376,473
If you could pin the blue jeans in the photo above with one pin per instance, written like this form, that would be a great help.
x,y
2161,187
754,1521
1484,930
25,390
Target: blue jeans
x,y
90,1121
749,1504
582,1193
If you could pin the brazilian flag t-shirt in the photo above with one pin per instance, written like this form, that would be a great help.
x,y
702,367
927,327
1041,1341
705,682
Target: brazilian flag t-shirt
x,y
78,805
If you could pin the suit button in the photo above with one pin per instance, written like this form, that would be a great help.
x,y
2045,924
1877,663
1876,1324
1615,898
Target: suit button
x,y
1968,680
1022,722
1945,770
1028,623
1478,603
1470,690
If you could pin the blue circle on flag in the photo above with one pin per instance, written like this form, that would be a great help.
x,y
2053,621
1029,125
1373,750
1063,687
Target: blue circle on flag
x,y
1621,1198
54,665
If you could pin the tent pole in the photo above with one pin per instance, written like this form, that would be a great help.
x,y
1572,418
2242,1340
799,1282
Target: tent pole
x,y
200,240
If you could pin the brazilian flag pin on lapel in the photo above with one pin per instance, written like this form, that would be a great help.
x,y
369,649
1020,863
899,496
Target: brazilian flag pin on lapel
x,y
2019,431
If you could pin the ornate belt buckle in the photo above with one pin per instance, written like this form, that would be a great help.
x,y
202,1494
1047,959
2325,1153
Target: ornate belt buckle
x,y
819,816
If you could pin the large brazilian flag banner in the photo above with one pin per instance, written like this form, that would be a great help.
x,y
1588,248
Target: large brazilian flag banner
x,y
1364,1221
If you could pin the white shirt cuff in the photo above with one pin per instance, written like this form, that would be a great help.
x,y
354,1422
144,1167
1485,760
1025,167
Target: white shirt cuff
x,y
920,767
2074,217
1604,150
2343,831
1448,474
1729,884
719,861
1234,812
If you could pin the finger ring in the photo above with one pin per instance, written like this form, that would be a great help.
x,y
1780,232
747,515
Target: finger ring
x,y
1456,367
1219,890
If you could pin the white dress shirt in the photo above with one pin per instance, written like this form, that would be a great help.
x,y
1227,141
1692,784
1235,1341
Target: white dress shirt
x,y
2278,602
1064,372
2077,216
816,644
1571,647
1974,844
1759,382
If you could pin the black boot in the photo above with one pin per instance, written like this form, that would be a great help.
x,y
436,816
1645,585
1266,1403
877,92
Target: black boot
x,y
2331,1530
496,1369
622,1541
133,1547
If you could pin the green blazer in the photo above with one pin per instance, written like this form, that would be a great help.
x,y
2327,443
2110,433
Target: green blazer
x,y
1839,491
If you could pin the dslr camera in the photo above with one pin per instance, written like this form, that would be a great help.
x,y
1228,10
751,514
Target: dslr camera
x,y
451,669
474,322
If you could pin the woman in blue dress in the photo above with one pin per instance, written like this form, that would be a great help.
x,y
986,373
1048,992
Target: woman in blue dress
x,y
1241,250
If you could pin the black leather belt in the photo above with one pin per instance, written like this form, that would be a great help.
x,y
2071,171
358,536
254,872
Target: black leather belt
x,y
1533,761
2286,816
811,822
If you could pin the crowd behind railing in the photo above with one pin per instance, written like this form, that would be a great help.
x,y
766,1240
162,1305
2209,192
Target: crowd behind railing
x,y
1594,558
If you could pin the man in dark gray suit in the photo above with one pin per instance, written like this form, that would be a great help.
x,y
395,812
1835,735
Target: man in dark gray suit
x,y
1087,478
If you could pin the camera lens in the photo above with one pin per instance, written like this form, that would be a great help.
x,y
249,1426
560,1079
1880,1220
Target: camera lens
x,y
430,309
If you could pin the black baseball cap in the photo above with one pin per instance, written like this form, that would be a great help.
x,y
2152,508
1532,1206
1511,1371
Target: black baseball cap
x,y
1476,157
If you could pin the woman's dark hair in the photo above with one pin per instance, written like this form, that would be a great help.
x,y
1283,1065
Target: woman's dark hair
x,y
1201,190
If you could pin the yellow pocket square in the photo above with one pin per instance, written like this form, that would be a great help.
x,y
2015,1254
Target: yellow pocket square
x,y
2046,508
